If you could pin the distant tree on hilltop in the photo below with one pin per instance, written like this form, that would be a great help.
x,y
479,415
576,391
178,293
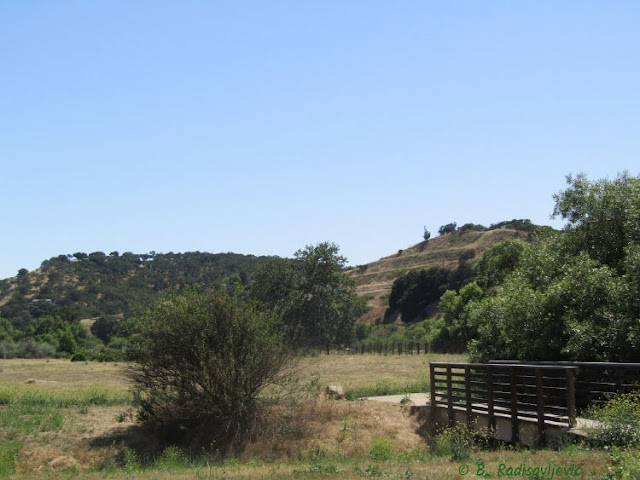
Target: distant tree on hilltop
x,y
448,228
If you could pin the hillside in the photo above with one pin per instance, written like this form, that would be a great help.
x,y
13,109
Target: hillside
x,y
374,280
90,285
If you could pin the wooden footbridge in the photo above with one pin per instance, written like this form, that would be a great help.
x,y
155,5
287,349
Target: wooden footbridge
x,y
525,402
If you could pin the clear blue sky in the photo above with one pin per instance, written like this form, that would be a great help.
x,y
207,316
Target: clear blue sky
x,y
260,127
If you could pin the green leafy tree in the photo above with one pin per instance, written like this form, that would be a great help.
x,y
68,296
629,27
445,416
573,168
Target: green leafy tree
x,y
454,329
603,216
498,261
571,295
448,228
412,293
315,297
472,227
7,332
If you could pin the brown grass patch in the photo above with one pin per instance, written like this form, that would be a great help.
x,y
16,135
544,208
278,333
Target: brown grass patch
x,y
62,374
315,430
357,371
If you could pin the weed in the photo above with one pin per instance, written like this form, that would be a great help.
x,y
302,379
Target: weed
x,y
405,474
172,458
124,416
416,455
381,449
316,453
624,465
370,471
323,469
455,441
345,431
130,461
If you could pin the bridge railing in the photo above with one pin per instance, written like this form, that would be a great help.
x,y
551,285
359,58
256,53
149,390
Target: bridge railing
x,y
543,394
596,382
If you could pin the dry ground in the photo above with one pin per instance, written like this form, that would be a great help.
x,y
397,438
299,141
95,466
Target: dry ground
x,y
350,371
62,374
319,438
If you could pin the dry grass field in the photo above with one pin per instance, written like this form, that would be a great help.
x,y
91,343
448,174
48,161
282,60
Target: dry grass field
x,y
60,419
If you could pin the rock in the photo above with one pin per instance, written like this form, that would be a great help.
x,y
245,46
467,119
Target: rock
x,y
335,391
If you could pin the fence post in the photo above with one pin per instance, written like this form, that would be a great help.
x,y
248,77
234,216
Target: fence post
x,y
515,430
432,385
492,417
571,396
467,387
450,396
540,406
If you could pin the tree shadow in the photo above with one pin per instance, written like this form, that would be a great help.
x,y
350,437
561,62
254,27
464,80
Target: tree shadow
x,y
148,441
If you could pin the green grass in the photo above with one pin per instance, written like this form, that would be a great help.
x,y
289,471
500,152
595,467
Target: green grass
x,y
382,388
8,454
90,395
30,419
26,412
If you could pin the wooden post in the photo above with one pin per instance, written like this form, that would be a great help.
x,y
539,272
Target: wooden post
x,y
515,430
450,397
540,406
432,385
571,396
492,417
467,388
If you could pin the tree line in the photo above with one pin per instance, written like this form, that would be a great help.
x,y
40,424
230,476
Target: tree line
x,y
570,294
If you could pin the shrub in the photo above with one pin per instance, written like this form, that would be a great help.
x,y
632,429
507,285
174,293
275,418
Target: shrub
x,y
617,421
7,349
625,465
381,449
32,349
203,360
78,357
455,441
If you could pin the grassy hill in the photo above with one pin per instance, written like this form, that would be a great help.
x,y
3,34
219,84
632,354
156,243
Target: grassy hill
x,y
374,280
96,284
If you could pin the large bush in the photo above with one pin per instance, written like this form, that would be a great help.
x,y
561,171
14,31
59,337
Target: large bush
x,y
202,360
616,422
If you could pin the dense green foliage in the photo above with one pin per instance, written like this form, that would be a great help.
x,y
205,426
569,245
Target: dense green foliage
x,y
570,295
448,228
522,224
202,360
616,422
412,293
96,284
312,294
42,309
